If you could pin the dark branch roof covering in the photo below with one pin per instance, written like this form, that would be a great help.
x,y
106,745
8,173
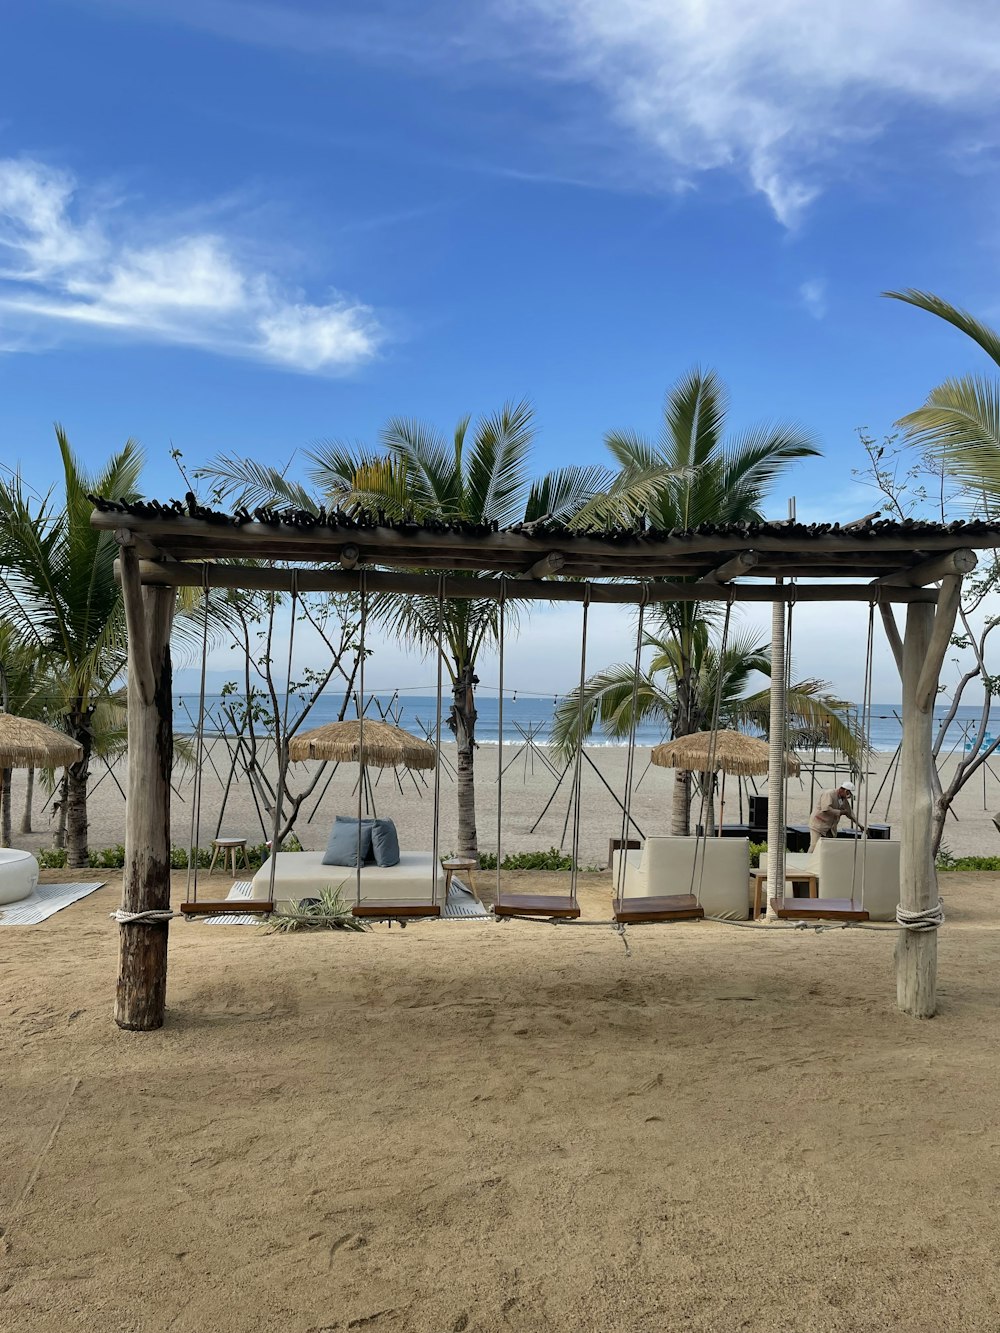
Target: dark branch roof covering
x,y
190,531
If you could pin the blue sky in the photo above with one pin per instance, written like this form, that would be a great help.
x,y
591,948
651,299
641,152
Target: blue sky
x,y
252,226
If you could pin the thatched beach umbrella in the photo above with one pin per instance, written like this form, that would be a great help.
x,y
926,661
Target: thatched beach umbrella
x,y
380,745
729,751
25,743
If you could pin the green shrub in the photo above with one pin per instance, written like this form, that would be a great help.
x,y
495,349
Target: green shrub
x,y
757,850
946,861
553,859
51,858
328,912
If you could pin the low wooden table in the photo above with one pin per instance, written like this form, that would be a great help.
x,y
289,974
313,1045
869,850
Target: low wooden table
x,y
229,849
791,876
465,863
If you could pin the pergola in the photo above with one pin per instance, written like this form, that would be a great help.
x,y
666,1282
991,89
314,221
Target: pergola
x,y
169,546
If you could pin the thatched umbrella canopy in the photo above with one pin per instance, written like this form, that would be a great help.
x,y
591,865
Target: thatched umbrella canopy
x,y
385,746
733,753
25,743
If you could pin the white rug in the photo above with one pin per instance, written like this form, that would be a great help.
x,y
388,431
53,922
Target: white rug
x,y
46,900
461,906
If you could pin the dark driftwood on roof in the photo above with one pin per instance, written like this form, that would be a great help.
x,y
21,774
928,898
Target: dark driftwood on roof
x,y
189,531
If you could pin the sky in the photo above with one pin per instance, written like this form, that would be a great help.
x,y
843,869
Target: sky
x,y
248,227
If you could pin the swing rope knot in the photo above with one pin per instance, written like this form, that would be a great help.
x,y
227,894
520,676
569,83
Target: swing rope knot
x,y
931,918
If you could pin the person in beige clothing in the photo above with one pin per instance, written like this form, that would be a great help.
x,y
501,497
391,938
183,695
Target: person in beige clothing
x,y
832,806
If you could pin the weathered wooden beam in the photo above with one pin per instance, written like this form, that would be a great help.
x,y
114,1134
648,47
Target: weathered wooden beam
x,y
944,626
140,669
916,950
549,564
189,574
377,544
892,634
959,562
142,957
733,569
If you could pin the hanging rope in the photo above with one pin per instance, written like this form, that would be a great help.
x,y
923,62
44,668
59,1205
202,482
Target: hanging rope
x,y
500,665
437,743
362,630
152,917
194,841
579,746
866,722
701,841
784,731
279,795
630,755
930,918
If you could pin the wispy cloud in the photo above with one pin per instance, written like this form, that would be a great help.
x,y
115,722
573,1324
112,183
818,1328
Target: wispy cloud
x,y
66,267
812,294
776,92
773,89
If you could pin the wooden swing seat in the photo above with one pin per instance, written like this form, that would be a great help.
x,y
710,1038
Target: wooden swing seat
x,y
395,909
818,909
668,907
229,907
513,905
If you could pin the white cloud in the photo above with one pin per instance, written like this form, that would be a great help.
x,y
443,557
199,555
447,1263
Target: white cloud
x,y
771,89
63,267
812,294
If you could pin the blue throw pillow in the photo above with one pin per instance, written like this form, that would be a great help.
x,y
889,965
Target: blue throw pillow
x,y
342,847
385,843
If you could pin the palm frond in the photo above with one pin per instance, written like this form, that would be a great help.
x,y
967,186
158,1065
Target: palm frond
x,y
959,426
987,338
496,474
253,485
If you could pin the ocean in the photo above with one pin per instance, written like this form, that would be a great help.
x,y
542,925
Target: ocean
x,y
527,717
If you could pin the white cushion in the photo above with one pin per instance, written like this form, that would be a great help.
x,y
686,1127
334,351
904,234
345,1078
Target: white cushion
x,y
866,871
299,875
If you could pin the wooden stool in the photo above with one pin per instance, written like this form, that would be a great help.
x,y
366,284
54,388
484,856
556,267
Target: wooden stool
x,y
229,848
465,863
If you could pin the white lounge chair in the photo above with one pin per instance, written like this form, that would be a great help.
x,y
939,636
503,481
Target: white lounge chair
x,y
715,870
868,870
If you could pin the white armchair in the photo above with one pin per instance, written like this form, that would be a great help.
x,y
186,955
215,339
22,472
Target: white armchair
x,y
715,870
868,870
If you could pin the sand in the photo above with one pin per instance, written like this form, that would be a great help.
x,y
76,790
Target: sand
x,y
468,1126
527,787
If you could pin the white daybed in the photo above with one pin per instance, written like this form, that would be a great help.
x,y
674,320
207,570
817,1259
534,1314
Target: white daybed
x,y
299,875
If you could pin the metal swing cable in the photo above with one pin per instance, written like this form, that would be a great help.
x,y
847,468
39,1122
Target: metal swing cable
x,y
788,685
500,666
701,840
362,628
630,754
578,775
866,722
437,744
195,838
279,795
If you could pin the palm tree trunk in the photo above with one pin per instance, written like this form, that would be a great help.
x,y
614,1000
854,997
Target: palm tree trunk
x,y
61,807
5,821
78,777
462,721
680,815
28,798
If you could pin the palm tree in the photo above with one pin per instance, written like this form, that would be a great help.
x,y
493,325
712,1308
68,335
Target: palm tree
x,y
960,422
479,476
693,473
608,699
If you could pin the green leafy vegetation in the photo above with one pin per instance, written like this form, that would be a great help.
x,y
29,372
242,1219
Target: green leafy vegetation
x,y
327,912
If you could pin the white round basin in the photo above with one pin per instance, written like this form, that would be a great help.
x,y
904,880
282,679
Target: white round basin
x,y
18,875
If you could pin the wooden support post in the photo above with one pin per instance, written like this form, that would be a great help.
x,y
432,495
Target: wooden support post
x,y
140,669
142,956
962,561
892,634
944,627
916,950
549,564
